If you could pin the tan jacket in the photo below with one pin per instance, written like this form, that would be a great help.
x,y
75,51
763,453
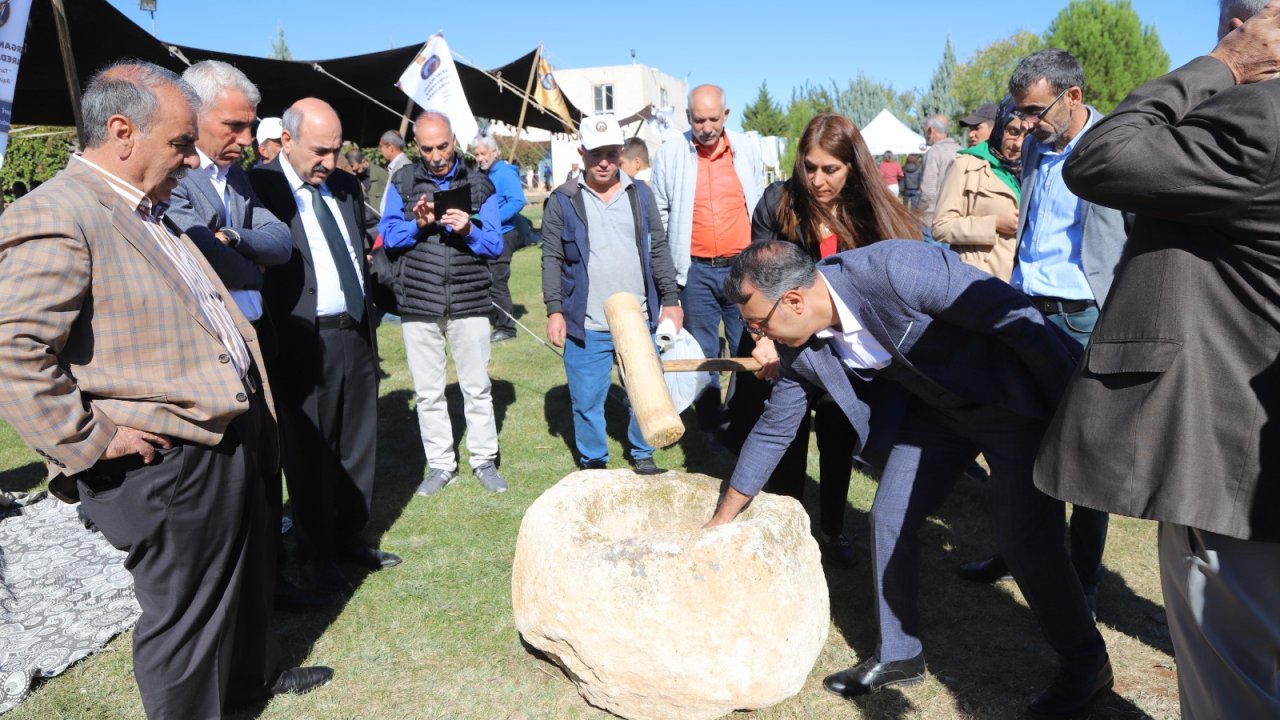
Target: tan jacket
x,y
972,198
98,329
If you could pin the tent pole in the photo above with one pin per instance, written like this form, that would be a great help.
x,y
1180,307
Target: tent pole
x,y
69,65
404,119
524,104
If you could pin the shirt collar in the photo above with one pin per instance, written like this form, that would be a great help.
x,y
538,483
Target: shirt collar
x,y
624,181
209,166
126,190
849,323
722,148
295,182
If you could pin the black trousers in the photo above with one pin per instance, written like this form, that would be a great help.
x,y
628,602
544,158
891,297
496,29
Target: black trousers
x,y
500,291
329,442
194,525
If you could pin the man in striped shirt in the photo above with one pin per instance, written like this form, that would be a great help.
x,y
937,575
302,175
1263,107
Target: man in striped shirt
x,y
127,367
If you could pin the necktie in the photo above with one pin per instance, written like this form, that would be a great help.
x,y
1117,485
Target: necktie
x,y
347,278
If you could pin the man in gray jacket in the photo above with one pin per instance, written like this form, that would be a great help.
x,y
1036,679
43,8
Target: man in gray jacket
x,y
1172,415
937,161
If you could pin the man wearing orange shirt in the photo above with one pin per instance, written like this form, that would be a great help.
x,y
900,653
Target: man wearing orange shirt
x,y
706,186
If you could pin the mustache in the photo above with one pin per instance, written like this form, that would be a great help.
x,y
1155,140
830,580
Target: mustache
x,y
180,173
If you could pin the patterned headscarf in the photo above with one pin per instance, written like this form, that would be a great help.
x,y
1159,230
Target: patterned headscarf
x,y
1004,113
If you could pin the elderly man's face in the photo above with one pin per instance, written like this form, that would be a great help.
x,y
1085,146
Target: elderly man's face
x,y
162,156
707,116
1046,113
268,150
226,127
314,153
435,140
485,156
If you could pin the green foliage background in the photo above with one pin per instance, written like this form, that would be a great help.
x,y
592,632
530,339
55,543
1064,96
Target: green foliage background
x,y
1118,53
31,159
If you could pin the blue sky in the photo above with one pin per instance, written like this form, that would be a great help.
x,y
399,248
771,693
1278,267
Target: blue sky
x,y
732,44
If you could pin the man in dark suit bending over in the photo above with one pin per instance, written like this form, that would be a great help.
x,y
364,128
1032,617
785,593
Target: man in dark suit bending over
x,y
986,371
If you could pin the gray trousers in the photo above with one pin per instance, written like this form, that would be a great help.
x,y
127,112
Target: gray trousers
x,y
1222,598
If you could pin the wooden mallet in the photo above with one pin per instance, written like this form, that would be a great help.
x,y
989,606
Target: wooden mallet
x,y
641,370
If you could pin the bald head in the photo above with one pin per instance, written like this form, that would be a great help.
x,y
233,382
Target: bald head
x,y
434,135
707,114
311,139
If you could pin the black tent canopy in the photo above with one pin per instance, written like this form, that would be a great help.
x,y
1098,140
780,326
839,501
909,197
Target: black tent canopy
x,y
100,35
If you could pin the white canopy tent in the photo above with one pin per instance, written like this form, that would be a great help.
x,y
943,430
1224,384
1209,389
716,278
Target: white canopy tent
x,y
887,132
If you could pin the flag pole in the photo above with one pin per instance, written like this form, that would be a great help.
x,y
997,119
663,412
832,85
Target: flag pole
x,y
524,104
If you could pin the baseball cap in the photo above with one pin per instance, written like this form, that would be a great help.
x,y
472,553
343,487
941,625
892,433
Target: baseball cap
x,y
599,131
986,113
269,129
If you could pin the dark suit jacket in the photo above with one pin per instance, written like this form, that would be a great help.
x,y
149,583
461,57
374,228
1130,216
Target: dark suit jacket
x,y
1105,229
289,291
959,339
1173,414
198,210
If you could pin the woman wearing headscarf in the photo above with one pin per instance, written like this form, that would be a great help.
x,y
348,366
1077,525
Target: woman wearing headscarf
x,y
977,213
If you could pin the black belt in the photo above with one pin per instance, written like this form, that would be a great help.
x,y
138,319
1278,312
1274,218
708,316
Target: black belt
x,y
1054,306
343,320
714,261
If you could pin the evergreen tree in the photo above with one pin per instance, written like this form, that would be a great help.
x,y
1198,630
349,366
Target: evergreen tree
x,y
864,98
764,115
1116,51
279,50
941,99
806,101
985,78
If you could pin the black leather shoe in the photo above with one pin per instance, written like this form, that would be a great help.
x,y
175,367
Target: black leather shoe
x,y
646,466
299,680
988,571
291,598
838,552
324,576
370,557
871,675
1072,692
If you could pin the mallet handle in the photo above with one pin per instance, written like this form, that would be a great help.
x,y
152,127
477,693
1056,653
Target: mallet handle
x,y
711,365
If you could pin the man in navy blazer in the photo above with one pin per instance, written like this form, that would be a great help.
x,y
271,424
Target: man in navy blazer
x,y
985,371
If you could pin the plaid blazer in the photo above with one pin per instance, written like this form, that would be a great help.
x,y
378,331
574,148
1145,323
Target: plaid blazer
x,y
98,329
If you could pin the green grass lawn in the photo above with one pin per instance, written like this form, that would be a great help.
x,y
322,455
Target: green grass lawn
x,y
434,637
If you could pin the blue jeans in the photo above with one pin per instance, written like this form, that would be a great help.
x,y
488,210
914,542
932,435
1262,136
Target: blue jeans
x,y
1088,526
705,306
588,365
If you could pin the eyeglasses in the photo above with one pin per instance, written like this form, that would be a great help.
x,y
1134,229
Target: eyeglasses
x,y
1037,114
757,328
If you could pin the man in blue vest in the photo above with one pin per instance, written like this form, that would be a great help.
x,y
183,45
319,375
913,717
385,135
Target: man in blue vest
x,y
442,290
601,234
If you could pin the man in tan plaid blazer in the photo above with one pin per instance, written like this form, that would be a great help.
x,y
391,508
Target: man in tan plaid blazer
x,y
125,365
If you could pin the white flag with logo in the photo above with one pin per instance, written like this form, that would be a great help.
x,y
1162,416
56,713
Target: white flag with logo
x,y
432,81
13,33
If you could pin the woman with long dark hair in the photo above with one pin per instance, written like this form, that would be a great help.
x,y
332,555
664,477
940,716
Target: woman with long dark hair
x,y
835,200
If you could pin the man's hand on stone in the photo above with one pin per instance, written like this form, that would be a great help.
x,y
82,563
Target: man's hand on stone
x,y
731,504
128,441
1252,51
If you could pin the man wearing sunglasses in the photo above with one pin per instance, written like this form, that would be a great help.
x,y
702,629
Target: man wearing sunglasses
x,y
985,371
1067,252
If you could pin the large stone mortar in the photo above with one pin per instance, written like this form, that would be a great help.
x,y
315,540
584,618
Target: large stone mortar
x,y
653,617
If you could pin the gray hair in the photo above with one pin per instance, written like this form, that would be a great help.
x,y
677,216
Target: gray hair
x,y
127,88
432,114
291,121
486,140
392,138
939,122
1058,67
210,77
1242,9
773,267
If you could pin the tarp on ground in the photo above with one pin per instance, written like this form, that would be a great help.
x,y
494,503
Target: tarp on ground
x,y
887,133
100,35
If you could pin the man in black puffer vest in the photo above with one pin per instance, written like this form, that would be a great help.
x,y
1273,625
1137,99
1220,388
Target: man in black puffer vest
x,y
441,283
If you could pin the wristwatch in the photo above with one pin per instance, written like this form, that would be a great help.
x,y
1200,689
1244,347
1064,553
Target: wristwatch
x,y
232,235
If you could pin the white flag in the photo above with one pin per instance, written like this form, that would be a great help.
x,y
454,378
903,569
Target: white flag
x,y
432,81
13,32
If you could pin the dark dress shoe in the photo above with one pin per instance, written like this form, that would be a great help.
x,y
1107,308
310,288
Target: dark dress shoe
x,y
871,675
1072,692
988,571
291,598
369,557
299,680
838,552
324,576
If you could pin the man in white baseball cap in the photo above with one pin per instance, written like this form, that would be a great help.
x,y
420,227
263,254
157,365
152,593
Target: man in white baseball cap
x,y
268,139
601,234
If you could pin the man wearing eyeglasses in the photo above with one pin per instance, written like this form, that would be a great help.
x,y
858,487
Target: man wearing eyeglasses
x,y
1067,252
985,371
